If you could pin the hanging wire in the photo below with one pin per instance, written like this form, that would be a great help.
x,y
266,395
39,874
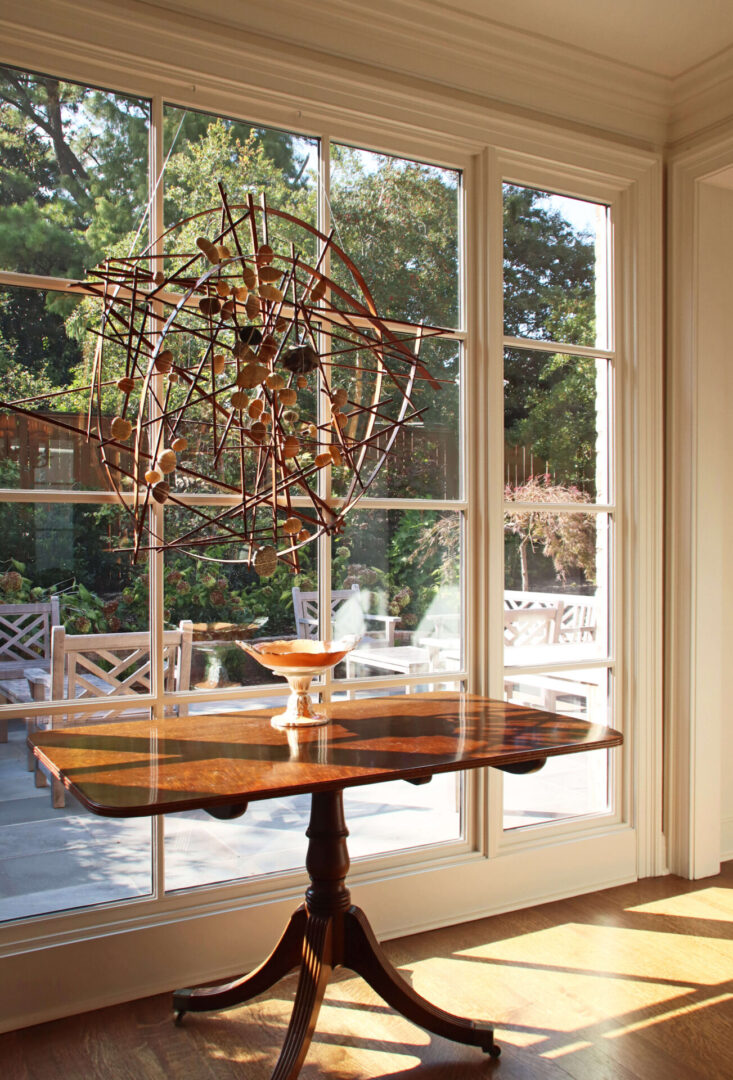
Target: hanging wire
x,y
154,192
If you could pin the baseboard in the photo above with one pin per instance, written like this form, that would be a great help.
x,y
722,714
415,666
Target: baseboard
x,y
46,984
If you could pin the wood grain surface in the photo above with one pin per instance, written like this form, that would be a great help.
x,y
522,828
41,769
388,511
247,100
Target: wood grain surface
x,y
632,983
160,766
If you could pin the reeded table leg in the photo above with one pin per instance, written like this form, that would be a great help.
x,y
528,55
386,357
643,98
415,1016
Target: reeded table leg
x,y
314,975
323,934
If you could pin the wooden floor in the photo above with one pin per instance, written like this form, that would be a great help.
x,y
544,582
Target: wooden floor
x,y
633,982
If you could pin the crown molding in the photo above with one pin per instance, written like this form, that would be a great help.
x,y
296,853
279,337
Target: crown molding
x,y
702,100
365,47
365,56
427,40
473,53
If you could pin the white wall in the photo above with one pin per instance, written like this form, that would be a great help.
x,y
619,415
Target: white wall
x,y
714,505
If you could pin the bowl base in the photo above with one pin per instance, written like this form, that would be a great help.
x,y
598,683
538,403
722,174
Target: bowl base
x,y
289,720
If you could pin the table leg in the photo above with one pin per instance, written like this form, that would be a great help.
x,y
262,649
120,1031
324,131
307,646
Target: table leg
x,y
286,955
363,954
315,972
327,931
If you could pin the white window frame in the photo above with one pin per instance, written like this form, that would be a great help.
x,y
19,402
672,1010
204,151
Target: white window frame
x,y
547,178
458,884
159,698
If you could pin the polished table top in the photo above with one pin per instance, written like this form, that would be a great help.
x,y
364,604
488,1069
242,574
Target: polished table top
x,y
143,767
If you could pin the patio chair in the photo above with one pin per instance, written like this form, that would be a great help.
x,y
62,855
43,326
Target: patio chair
x,y
347,617
105,665
25,641
555,624
579,620
532,625
376,648
578,617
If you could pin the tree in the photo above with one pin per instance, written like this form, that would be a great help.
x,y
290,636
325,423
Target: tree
x,y
560,419
73,186
549,294
73,179
569,539
398,220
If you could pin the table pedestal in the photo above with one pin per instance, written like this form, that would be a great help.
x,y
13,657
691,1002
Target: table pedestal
x,y
323,933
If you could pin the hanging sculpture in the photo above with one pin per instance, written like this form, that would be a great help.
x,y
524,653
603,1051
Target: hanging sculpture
x,y
239,368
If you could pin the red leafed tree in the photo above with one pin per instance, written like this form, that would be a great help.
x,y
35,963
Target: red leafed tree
x,y
569,539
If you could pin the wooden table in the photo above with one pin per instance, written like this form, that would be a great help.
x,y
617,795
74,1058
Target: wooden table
x,y
221,762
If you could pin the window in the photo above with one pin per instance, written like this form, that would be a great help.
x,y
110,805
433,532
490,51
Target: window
x,y
396,598
558,513
74,182
452,164
77,185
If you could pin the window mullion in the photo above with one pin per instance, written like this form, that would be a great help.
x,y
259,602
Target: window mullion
x,y
566,348
323,407
156,511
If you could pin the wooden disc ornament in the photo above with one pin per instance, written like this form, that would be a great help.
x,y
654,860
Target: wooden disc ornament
x,y
233,344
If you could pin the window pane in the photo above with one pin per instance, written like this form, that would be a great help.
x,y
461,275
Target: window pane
x,y
57,859
556,423
398,220
46,360
246,159
268,839
199,408
555,586
555,267
397,815
72,552
396,584
73,172
227,601
424,459
571,784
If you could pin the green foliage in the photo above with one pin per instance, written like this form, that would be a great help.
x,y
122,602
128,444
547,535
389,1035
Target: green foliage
x,y
201,592
73,185
549,293
403,560
81,610
241,158
15,587
73,182
549,272
559,420
398,221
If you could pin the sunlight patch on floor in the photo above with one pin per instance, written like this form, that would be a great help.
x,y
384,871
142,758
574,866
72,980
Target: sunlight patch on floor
x,y
568,1048
713,903
671,1014
518,1038
582,948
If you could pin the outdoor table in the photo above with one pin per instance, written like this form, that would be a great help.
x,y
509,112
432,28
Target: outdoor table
x,y
553,654
221,762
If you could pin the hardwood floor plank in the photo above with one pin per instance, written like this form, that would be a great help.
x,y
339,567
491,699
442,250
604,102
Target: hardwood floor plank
x,y
633,983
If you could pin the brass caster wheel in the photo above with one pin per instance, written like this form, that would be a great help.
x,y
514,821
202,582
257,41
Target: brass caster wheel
x,y
179,1017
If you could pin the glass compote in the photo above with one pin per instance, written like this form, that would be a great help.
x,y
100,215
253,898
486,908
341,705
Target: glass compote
x,y
299,660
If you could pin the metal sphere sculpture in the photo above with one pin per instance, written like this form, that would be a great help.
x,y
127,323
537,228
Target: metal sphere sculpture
x,y
240,368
